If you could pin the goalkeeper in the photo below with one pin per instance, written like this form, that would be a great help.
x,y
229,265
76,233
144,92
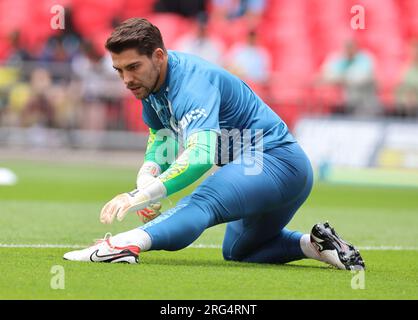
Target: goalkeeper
x,y
263,179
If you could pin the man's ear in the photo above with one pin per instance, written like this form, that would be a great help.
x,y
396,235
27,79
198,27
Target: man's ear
x,y
158,55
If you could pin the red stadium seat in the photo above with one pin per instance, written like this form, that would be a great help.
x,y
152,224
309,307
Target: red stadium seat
x,y
229,32
172,26
288,87
13,14
4,48
409,20
289,112
132,110
135,8
93,16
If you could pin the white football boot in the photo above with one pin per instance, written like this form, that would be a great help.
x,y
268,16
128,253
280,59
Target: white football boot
x,y
334,250
104,251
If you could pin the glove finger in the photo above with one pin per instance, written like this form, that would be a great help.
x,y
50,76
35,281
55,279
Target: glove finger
x,y
147,211
113,212
121,214
142,216
144,212
113,209
148,217
156,206
104,214
145,220
122,211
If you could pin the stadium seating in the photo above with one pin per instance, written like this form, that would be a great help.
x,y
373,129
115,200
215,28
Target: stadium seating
x,y
92,16
299,34
172,26
135,8
132,111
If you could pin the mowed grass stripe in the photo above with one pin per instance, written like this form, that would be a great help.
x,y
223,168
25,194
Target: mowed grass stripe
x,y
203,274
36,222
196,246
60,204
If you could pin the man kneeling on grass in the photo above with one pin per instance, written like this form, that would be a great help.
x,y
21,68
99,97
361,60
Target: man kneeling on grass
x,y
264,175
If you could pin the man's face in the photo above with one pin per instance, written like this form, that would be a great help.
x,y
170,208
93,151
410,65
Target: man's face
x,y
139,73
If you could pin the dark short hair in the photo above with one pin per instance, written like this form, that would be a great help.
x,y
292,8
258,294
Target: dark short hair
x,y
135,33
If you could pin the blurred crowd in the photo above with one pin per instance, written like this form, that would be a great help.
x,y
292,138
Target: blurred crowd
x,y
71,84
354,71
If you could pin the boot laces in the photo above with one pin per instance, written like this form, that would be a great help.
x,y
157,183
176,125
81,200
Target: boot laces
x,y
106,238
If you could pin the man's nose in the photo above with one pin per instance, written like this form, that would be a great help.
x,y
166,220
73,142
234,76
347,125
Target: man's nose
x,y
127,78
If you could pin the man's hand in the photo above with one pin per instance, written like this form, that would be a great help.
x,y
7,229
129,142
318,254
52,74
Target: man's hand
x,y
123,203
135,200
147,174
149,213
153,210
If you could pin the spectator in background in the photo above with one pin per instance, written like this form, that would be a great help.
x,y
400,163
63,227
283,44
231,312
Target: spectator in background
x,y
407,91
65,45
18,53
353,71
14,90
201,44
251,10
99,86
249,61
39,111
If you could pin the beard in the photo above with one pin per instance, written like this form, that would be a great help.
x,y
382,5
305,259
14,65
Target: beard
x,y
143,91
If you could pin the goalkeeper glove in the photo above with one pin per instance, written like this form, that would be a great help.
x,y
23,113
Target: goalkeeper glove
x,y
150,212
137,199
148,171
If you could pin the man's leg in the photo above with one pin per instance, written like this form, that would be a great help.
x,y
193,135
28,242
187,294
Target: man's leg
x,y
260,206
263,237
256,238
251,189
266,202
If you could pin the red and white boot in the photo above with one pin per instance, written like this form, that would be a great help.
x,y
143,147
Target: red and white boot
x,y
104,251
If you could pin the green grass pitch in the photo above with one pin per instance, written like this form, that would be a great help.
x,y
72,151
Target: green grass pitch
x,y
59,205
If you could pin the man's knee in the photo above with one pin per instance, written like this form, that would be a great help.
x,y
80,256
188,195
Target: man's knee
x,y
229,254
229,257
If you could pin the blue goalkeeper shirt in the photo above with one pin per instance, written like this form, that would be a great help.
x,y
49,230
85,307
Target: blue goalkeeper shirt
x,y
198,95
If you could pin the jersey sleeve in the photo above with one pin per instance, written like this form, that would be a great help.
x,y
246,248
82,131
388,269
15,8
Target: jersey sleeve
x,y
162,148
197,108
196,159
